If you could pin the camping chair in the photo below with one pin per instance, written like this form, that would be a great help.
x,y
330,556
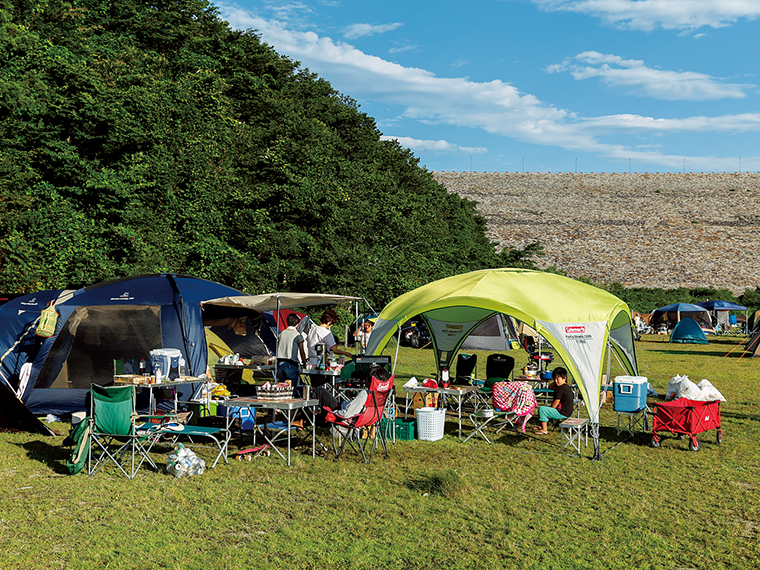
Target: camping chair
x,y
466,370
498,369
113,433
349,429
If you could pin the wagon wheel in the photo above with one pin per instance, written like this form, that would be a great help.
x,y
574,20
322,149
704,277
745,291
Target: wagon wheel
x,y
656,441
693,444
719,436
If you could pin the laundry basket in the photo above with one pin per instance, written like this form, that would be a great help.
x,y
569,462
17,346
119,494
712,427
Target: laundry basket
x,y
430,423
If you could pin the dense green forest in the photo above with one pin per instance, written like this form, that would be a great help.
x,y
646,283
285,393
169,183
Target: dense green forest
x,y
145,137
140,137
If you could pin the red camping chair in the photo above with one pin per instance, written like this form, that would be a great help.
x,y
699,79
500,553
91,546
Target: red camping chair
x,y
350,429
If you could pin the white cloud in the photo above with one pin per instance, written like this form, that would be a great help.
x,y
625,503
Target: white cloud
x,y
360,30
495,107
666,14
638,79
437,146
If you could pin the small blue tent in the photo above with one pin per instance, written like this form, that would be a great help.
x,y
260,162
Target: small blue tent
x,y
688,331
121,319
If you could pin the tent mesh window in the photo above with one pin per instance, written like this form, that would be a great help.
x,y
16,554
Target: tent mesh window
x,y
93,337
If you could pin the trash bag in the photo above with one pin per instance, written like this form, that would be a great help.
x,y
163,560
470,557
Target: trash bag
x,y
183,462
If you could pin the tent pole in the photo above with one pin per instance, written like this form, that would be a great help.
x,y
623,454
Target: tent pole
x,y
595,426
398,344
277,340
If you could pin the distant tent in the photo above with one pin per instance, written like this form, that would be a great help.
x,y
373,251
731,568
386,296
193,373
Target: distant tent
x,y
720,311
753,324
492,334
672,314
688,331
753,345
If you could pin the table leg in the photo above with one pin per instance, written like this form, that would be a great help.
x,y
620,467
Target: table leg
x,y
290,423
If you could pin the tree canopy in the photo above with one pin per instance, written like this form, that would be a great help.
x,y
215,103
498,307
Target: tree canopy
x,y
144,137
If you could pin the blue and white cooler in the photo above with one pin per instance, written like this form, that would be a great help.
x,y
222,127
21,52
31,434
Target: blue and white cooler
x,y
630,393
169,360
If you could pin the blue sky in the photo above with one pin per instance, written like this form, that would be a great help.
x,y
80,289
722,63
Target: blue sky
x,y
538,85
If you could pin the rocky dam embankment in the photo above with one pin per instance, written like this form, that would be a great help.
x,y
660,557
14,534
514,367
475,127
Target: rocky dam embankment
x,y
642,230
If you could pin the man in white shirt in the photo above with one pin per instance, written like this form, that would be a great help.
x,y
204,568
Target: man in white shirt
x,y
289,346
322,335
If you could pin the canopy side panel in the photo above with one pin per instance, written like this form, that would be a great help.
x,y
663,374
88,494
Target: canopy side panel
x,y
584,343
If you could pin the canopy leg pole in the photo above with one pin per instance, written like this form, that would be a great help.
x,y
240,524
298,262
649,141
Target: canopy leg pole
x,y
595,436
395,358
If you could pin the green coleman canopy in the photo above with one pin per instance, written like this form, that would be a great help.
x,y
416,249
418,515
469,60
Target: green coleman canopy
x,y
577,319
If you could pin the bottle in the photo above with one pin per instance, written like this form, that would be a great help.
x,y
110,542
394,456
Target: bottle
x,y
142,368
159,378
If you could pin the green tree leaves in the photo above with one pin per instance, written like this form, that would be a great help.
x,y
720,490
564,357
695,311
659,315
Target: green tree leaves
x,y
141,136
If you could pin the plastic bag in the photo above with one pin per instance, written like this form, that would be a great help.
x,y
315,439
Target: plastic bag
x,y
710,392
184,462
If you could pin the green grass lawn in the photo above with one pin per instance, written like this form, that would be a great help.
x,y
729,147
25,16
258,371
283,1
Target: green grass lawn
x,y
518,503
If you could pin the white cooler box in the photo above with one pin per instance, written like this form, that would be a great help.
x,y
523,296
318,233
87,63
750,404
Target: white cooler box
x,y
169,360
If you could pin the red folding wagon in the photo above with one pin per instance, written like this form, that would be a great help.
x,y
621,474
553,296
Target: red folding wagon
x,y
686,417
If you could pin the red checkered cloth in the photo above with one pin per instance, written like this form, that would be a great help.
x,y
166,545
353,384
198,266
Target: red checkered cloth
x,y
517,397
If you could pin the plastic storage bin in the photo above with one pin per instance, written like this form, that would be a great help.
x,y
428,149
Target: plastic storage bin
x,y
630,393
404,429
430,422
246,415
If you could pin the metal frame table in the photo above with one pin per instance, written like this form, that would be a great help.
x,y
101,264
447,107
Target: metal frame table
x,y
289,407
458,393
331,375
123,380
235,367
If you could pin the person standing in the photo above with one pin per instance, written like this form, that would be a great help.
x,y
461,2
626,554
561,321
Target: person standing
x,y
321,335
289,347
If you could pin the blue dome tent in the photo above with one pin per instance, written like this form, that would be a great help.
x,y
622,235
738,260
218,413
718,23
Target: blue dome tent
x,y
688,331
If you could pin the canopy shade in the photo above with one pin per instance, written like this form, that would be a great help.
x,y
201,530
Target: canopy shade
x,y
677,311
577,319
274,301
721,306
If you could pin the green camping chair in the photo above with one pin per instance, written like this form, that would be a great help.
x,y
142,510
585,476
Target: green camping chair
x,y
498,369
113,436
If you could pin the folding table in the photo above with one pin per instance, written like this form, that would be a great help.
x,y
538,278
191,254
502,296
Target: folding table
x,y
458,393
288,407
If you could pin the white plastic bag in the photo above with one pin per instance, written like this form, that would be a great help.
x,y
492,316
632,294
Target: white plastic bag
x,y
672,389
184,462
709,392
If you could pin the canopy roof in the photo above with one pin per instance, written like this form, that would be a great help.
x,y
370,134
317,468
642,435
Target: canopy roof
x,y
721,306
577,319
274,301
681,308
677,311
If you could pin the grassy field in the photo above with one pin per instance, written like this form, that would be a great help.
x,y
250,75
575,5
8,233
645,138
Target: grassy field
x,y
519,503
